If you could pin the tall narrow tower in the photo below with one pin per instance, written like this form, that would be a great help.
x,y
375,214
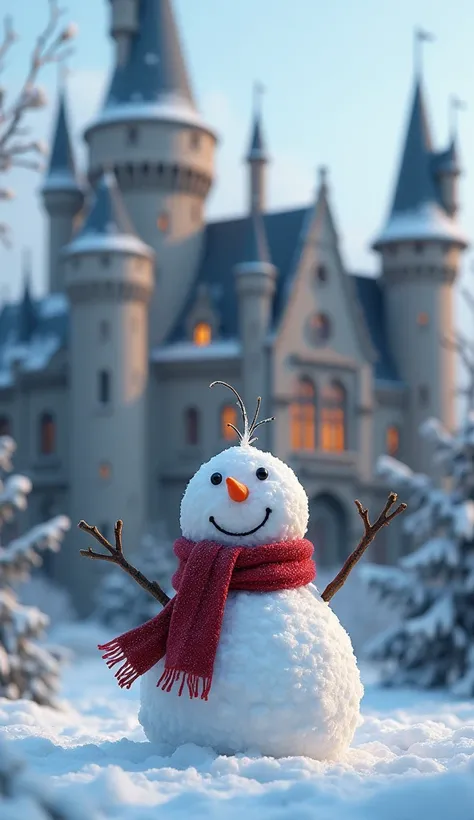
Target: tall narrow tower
x,y
62,195
257,157
160,149
255,282
421,245
109,282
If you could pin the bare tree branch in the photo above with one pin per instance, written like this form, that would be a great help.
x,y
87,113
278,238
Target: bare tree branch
x,y
117,557
51,46
371,531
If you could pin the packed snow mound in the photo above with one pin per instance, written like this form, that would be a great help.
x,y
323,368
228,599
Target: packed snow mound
x,y
410,751
285,682
281,492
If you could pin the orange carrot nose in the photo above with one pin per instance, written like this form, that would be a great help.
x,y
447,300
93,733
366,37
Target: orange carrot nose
x,y
236,490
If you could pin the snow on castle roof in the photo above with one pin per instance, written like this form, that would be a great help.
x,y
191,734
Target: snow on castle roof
x,y
418,210
107,226
153,83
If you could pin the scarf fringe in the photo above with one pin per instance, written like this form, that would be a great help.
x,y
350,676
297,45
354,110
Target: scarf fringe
x,y
127,674
172,676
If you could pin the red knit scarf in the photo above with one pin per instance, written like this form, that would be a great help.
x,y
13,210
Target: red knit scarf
x,y
187,630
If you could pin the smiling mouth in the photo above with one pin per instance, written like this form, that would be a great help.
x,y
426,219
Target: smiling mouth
x,y
249,532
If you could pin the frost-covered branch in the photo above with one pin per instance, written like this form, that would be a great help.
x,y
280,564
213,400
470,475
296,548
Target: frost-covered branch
x,y
52,46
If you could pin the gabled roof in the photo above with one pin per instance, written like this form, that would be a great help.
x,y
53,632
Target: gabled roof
x,y
223,250
107,226
285,230
27,318
418,210
49,335
371,297
61,173
255,245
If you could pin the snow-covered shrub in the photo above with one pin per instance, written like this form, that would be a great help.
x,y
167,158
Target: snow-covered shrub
x,y
27,668
431,640
52,599
120,602
26,797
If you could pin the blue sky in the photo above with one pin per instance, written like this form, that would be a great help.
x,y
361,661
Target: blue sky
x,y
339,78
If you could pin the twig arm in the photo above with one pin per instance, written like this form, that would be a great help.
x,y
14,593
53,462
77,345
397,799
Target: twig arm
x,y
371,531
117,557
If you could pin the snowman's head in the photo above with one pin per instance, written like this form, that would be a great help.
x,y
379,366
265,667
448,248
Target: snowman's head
x,y
244,497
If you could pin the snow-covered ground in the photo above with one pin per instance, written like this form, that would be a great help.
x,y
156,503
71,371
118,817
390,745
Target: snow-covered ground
x,y
413,756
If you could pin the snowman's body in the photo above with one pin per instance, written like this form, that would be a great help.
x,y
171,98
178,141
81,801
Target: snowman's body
x,y
285,683
285,679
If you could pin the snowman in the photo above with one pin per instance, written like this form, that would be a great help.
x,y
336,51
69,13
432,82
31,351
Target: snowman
x,y
247,656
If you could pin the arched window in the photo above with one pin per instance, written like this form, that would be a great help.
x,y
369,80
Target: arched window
x,y
303,417
191,425
103,386
47,434
392,440
5,426
202,334
333,417
228,416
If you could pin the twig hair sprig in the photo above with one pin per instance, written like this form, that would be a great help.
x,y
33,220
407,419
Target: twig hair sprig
x,y
246,436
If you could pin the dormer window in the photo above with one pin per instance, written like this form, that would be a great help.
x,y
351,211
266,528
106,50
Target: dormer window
x,y
202,334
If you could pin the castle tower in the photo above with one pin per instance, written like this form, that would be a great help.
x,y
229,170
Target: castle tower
x,y
257,157
62,195
109,281
160,149
421,246
255,281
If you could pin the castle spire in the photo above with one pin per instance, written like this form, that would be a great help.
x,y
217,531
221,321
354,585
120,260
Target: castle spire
x,y
154,69
27,312
418,209
61,171
257,156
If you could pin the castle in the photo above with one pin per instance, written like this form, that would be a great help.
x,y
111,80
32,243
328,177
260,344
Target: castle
x,y
104,383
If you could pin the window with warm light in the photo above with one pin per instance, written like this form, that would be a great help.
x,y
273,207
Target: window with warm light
x,y
333,418
202,334
191,425
228,416
105,470
163,222
392,440
318,328
47,434
303,417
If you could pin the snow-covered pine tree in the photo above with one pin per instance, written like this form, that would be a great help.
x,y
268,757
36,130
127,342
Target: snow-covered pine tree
x,y
431,589
27,668
24,796
121,603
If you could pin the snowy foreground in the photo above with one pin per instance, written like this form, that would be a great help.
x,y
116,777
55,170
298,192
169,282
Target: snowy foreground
x,y
413,755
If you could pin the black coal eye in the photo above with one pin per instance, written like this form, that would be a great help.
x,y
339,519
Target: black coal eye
x,y
262,473
216,478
